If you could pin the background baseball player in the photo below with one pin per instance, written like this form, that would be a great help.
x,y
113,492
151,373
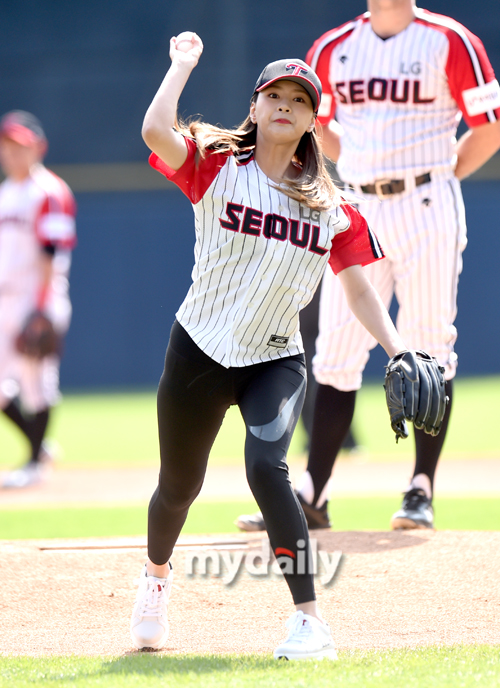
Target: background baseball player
x,y
37,233
396,80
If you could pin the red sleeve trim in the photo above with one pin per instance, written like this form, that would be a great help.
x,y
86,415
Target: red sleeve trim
x,y
55,220
195,176
467,67
358,245
319,56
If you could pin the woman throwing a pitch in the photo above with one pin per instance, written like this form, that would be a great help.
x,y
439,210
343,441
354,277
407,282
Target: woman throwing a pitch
x,y
268,220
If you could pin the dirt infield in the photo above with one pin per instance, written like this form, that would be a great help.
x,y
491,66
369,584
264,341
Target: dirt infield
x,y
392,589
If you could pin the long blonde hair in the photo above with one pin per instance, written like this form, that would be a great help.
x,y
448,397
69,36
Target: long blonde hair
x,y
313,186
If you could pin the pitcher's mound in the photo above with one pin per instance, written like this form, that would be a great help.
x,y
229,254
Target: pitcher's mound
x,y
391,589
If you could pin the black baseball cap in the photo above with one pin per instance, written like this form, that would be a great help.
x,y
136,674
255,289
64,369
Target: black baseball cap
x,y
22,127
292,70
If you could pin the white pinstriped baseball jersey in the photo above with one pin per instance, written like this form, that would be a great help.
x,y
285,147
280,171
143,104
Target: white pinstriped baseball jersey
x,y
259,257
36,211
399,100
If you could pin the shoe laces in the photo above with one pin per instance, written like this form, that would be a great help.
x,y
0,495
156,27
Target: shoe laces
x,y
153,599
299,627
415,498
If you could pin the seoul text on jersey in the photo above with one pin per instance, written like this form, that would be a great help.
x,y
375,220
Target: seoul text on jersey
x,y
395,90
272,226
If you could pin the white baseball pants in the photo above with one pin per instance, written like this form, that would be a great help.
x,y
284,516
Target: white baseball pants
x,y
423,233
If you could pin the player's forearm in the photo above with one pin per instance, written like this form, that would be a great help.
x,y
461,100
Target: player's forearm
x,y
158,126
475,147
370,311
46,274
368,308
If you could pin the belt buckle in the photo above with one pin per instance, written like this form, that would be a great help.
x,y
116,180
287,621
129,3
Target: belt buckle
x,y
378,184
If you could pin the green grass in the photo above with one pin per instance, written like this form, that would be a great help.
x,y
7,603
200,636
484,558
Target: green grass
x,y
347,513
112,521
115,429
110,429
453,667
475,404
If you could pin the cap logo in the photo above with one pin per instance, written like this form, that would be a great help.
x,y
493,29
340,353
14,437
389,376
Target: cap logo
x,y
298,70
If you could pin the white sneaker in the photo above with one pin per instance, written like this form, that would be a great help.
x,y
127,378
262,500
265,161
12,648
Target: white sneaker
x,y
149,625
26,476
308,638
251,522
34,472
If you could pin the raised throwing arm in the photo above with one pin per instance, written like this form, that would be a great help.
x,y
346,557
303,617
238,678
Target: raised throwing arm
x,y
158,128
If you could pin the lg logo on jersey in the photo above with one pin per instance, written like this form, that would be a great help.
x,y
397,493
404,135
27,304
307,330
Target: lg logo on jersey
x,y
309,214
272,226
396,90
414,68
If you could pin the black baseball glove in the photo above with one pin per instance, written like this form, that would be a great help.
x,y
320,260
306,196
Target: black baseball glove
x,y
38,337
414,390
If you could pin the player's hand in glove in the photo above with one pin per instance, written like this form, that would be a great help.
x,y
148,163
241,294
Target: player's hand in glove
x,y
414,390
38,337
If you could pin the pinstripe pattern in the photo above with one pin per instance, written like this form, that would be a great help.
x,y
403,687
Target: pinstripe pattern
x,y
454,26
331,37
247,290
423,242
398,102
393,97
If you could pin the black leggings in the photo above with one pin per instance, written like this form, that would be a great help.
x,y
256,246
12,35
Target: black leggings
x,y
193,396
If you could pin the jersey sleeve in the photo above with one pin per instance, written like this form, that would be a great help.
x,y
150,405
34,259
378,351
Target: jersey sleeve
x,y
358,245
55,221
471,77
318,58
195,175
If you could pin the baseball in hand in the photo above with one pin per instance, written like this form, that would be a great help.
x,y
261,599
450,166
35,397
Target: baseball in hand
x,y
183,41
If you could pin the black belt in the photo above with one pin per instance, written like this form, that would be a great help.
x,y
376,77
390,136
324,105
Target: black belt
x,y
389,187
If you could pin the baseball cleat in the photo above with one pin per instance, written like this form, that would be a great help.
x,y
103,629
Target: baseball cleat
x,y
149,624
27,476
33,472
308,638
317,518
250,523
416,512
